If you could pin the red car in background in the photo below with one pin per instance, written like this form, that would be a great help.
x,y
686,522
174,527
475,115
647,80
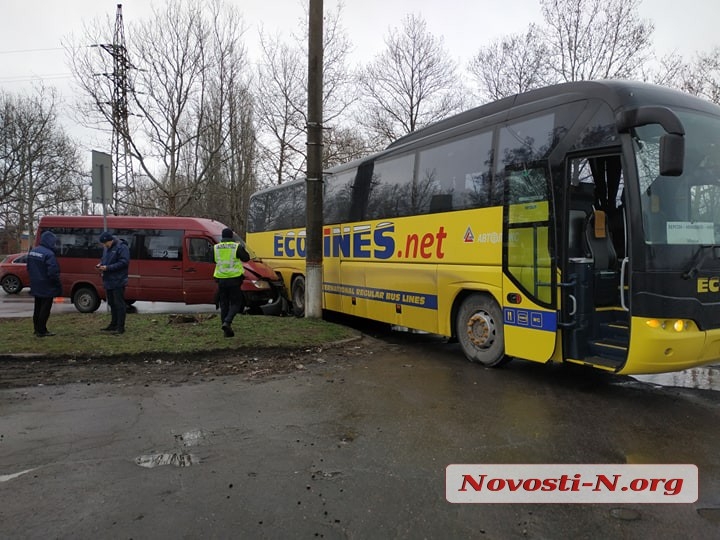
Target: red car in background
x,y
13,273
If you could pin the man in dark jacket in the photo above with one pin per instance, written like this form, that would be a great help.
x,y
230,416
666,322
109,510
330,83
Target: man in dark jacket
x,y
114,267
44,272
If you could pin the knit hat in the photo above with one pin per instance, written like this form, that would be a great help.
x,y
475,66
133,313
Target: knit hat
x,y
227,233
105,237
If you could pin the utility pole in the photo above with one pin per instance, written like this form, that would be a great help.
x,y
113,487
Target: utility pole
x,y
124,181
314,180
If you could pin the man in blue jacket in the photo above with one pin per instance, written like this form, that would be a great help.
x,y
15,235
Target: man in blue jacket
x,y
44,272
114,267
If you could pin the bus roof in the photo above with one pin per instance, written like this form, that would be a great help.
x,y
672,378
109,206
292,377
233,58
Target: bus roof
x,y
618,94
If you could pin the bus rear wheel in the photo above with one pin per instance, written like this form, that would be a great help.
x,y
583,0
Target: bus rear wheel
x,y
86,300
298,296
479,328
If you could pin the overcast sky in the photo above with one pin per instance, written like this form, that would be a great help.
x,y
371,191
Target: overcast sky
x,y
31,31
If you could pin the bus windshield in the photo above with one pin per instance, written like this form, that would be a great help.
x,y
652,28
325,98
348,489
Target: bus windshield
x,y
680,213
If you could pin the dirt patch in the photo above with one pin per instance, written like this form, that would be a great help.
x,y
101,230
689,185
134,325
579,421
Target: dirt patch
x,y
249,364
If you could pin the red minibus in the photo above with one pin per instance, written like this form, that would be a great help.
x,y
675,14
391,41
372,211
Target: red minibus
x,y
171,260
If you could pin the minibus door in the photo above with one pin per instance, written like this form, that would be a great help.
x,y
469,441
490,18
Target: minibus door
x,y
199,286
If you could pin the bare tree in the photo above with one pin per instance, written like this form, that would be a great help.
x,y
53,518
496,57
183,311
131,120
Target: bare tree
x,y
344,144
510,65
282,108
668,70
412,83
578,40
40,169
339,94
701,77
595,39
231,174
187,61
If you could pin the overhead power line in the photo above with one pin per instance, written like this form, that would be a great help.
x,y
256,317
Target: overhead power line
x,y
31,78
23,51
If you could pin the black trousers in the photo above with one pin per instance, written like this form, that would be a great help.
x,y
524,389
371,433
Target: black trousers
x,y
118,308
41,313
230,298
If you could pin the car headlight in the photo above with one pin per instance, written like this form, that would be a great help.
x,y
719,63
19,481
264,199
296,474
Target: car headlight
x,y
259,284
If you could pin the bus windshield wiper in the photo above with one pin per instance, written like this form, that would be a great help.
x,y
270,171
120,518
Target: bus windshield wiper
x,y
697,261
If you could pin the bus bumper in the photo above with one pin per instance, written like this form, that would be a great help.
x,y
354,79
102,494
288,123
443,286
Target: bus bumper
x,y
662,349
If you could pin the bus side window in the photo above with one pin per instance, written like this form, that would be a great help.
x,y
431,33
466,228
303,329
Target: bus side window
x,y
455,175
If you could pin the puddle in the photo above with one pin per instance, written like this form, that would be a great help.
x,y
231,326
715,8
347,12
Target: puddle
x,y
625,514
191,438
701,378
325,474
6,477
156,460
711,514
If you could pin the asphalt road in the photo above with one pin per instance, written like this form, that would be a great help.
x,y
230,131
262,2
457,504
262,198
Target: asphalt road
x,y
21,305
354,448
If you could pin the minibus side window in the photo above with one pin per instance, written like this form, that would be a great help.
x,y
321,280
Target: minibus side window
x,y
162,244
201,250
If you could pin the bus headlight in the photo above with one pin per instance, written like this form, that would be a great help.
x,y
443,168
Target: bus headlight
x,y
679,325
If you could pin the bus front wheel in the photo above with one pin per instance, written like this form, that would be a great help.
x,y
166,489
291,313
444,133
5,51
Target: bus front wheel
x,y
479,328
298,296
86,300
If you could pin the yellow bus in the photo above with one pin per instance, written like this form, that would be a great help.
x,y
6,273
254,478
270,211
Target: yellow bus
x,y
575,223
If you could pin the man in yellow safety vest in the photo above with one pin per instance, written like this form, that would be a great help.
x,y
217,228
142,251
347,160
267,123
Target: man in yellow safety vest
x,y
229,257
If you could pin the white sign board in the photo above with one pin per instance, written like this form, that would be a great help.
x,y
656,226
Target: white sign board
x,y
685,232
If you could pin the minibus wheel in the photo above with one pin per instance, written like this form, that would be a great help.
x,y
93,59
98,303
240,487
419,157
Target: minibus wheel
x,y
479,328
86,300
298,296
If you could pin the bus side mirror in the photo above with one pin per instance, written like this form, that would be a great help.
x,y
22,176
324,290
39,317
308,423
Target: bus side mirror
x,y
672,154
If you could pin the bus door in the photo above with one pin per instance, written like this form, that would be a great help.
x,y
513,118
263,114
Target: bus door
x,y
199,287
594,307
529,315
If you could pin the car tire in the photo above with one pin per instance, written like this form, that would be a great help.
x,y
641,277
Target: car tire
x,y
11,284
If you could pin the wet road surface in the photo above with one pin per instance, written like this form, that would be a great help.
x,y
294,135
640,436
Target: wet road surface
x,y
21,305
356,449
